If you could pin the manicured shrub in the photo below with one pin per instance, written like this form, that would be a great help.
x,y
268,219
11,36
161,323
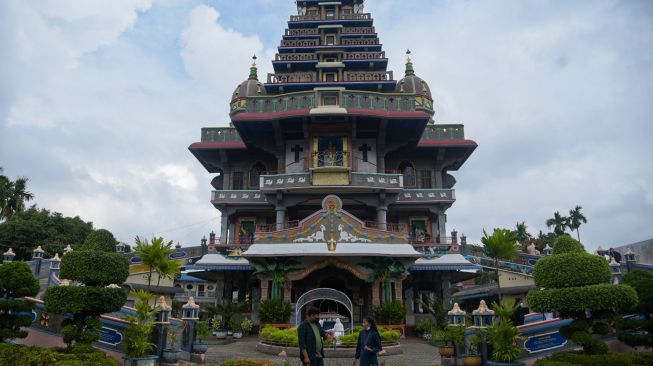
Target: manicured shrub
x,y
21,355
574,300
275,311
642,282
100,240
610,359
16,280
566,244
571,270
591,345
94,268
391,313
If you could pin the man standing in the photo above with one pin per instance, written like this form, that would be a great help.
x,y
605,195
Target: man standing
x,y
311,339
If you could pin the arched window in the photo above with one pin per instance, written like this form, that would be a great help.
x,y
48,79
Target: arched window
x,y
255,175
408,170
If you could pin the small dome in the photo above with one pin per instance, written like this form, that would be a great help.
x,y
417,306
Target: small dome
x,y
411,83
250,87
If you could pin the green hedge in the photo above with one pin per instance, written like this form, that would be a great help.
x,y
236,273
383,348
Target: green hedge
x,y
574,300
567,244
610,359
94,268
84,299
101,240
21,355
274,312
571,270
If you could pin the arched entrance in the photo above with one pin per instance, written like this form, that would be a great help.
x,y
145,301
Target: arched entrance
x,y
324,294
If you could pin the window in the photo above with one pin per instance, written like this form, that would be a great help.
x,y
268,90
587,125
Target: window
x,y
237,180
330,100
407,169
330,40
425,180
255,174
330,13
330,77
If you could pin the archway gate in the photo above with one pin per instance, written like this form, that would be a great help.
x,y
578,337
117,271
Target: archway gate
x,y
324,294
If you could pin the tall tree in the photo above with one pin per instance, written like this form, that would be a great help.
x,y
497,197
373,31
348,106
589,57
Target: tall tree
x,y
13,195
499,246
576,219
154,255
558,223
521,234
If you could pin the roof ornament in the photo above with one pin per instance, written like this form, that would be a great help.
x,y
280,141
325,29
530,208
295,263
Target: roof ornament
x,y
409,64
253,73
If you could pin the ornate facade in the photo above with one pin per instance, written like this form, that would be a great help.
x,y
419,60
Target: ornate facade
x,y
332,166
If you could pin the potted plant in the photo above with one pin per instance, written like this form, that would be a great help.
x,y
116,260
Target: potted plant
x,y
226,309
237,332
137,335
219,331
450,337
504,336
246,325
202,332
472,358
172,353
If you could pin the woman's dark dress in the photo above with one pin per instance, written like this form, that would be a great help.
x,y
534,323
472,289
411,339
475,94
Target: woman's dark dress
x,y
371,339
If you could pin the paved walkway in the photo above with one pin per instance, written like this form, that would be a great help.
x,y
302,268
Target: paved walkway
x,y
416,353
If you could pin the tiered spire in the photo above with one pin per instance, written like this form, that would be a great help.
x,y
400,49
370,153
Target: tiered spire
x,y
253,71
409,64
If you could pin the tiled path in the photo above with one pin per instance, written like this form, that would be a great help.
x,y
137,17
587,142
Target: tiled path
x,y
416,353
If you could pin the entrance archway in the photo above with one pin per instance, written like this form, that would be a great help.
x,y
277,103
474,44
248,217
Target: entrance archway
x,y
324,294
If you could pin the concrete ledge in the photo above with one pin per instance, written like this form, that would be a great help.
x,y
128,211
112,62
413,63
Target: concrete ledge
x,y
328,352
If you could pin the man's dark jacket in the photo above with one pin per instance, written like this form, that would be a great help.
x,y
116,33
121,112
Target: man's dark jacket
x,y
307,340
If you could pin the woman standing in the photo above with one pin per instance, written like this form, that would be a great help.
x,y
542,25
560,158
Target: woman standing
x,y
369,344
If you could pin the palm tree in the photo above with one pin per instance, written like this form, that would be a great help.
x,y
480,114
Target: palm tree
x,y
13,195
499,245
521,233
558,223
384,270
576,218
278,271
168,269
154,256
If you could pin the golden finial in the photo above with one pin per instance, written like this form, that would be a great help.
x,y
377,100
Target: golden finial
x,y
254,60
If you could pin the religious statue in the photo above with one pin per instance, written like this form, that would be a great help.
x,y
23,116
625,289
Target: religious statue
x,y
420,235
531,249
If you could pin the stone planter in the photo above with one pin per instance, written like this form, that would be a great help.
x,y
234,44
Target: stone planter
x,y
171,356
446,351
230,333
200,347
221,334
472,361
238,335
140,361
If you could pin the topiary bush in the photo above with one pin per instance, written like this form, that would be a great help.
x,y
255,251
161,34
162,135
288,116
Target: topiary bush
x,y
16,280
274,312
571,270
100,240
21,355
391,313
94,268
572,302
566,244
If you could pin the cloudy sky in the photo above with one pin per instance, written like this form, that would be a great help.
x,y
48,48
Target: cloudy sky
x,y
99,101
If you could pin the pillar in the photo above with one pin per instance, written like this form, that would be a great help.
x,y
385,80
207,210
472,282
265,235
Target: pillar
x,y
224,227
399,293
442,222
229,285
287,292
376,296
381,217
281,217
264,288
446,289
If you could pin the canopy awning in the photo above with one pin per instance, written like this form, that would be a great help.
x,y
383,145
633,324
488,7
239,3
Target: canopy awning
x,y
447,262
220,262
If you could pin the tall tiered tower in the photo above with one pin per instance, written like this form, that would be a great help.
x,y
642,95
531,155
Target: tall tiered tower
x,y
332,120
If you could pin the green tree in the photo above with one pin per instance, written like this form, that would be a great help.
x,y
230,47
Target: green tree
x,y
277,270
155,256
16,280
101,274
137,335
499,246
522,235
558,223
576,219
385,270
642,282
102,240
53,231
13,195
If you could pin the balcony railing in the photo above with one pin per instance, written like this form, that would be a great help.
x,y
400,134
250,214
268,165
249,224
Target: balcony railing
x,y
363,55
444,132
389,102
296,57
220,134
359,41
268,228
302,32
300,42
292,77
313,17
368,75
425,240
332,158
358,30
426,195
393,227
238,197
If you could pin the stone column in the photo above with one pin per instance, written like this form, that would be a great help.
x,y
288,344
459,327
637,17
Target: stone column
x,y
399,293
219,286
264,288
381,217
287,292
442,222
224,228
446,290
281,217
376,297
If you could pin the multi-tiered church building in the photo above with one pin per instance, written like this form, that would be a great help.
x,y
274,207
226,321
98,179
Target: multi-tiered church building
x,y
332,166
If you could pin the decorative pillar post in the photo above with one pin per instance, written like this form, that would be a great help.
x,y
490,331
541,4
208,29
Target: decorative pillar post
x,y
381,217
483,318
9,255
120,247
190,312
37,256
630,259
463,244
454,237
162,320
281,217
376,297
615,267
55,265
547,250
456,318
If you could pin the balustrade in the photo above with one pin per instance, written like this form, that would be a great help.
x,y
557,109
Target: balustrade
x,y
444,132
363,55
388,102
358,30
280,104
220,134
393,227
300,42
302,32
359,41
312,17
292,77
296,57
368,75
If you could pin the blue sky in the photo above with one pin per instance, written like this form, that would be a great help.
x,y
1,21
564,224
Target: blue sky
x,y
99,101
